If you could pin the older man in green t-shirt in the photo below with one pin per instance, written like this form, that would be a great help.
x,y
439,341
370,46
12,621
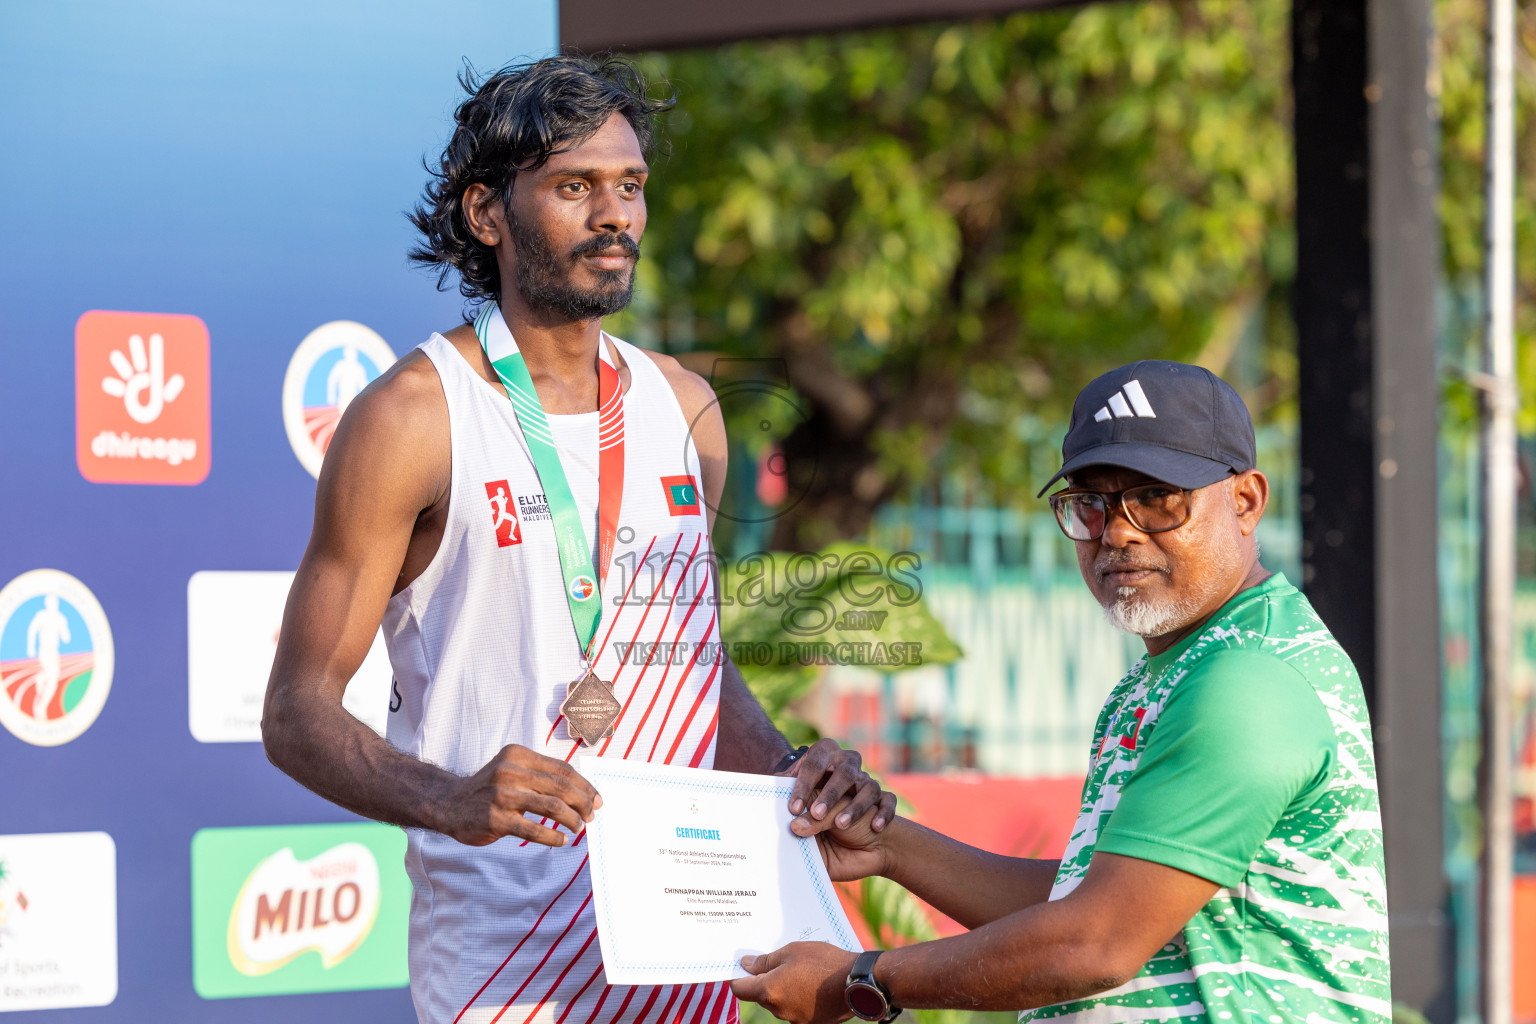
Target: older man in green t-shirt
x,y
1226,864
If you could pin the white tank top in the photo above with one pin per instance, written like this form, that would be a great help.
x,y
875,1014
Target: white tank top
x,y
483,647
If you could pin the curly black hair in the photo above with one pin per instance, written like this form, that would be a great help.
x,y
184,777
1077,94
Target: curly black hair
x,y
514,120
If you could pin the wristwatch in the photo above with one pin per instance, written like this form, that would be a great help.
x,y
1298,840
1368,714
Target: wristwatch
x,y
866,997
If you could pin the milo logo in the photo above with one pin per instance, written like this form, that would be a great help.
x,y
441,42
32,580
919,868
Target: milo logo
x,y
287,907
298,908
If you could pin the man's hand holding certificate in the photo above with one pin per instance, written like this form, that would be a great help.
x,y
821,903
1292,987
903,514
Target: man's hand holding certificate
x,y
692,870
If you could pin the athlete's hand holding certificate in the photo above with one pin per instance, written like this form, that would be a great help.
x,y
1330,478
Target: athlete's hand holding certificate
x,y
693,869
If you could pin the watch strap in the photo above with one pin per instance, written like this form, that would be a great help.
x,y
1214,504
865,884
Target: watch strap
x,y
864,965
788,759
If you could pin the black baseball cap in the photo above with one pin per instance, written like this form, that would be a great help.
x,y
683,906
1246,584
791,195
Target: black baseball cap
x,y
1177,423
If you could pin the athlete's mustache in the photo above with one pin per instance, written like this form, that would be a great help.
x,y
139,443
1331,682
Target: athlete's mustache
x,y
600,244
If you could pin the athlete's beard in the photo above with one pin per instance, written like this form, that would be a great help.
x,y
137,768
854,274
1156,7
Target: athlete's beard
x,y
1136,612
544,277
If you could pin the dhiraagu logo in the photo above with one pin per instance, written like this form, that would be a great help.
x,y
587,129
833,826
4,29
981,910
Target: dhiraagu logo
x,y
298,908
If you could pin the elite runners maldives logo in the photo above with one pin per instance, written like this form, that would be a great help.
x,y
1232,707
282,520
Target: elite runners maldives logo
x,y
307,908
331,366
141,398
56,657
503,514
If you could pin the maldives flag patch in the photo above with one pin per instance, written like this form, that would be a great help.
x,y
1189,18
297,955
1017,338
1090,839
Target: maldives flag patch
x,y
682,495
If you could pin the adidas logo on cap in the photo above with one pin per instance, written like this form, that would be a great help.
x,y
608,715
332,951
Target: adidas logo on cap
x,y
1130,400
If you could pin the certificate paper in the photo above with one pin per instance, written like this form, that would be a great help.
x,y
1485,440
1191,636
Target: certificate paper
x,y
693,869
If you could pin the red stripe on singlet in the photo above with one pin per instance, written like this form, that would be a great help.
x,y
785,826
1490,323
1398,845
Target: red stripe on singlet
x,y
622,601
697,701
682,1010
654,993
709,734
524,939
607,991
705,996
570,1004
659,634
548,995
661,730
576,745
726,997
550,952
661,683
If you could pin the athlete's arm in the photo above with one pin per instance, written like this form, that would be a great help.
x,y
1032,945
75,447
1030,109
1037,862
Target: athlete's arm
x,y
826,775
387,465
1093,939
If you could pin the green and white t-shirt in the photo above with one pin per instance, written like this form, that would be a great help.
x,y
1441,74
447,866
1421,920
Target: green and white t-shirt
x,y
1243,755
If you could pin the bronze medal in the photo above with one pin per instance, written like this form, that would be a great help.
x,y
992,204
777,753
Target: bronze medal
x,y
590,709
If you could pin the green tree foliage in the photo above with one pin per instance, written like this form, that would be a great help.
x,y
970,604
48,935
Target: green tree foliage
x,y
945,230
1461,39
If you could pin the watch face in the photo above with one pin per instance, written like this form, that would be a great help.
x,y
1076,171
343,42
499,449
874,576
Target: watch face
x,y
865,1001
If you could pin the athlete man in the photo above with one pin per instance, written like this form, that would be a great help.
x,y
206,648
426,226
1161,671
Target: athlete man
x,y
518,500
1226,865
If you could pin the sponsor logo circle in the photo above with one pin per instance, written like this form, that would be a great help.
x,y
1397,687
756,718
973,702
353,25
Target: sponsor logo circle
x,y
56,657
583,587
331,366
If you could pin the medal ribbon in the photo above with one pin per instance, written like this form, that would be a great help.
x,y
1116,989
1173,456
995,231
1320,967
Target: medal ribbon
x,y
582,592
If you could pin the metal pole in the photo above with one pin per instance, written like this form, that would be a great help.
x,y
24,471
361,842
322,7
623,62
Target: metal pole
x,y
1498,469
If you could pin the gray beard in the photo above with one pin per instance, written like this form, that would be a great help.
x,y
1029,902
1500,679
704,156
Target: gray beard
x,y
1134,612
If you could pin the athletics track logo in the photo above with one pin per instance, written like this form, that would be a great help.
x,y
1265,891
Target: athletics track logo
x,y
331,366
583,587
141,398
56,657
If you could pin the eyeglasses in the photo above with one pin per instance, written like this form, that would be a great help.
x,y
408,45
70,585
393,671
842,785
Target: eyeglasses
x,y
1151,508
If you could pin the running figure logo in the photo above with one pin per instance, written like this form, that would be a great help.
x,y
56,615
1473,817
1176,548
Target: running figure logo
x,y
330,368
56,657
503,516
45,633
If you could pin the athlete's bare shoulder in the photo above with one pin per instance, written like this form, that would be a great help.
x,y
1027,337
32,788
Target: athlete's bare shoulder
x,y
395,434
706,425
693,392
